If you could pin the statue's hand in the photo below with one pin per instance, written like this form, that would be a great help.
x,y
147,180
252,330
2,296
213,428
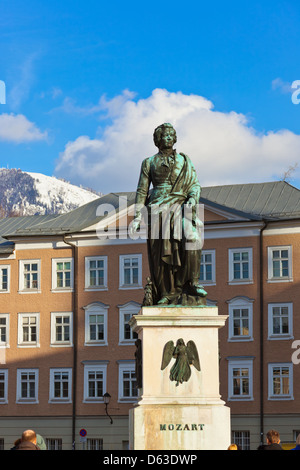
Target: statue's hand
x,y
191,202
134,226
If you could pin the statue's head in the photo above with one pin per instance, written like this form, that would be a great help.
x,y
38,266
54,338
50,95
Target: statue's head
x,y
161,130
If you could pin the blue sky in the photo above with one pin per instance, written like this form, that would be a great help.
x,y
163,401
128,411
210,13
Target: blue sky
x,y
87,83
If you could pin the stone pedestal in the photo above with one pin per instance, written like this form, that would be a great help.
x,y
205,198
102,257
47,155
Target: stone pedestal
x,y
190,415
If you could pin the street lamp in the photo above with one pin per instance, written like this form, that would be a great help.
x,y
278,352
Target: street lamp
x,y
106,398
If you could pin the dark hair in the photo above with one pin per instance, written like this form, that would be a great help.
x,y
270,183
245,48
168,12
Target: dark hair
x,y
159,131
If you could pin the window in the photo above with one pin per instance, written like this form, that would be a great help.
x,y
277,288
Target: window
x,y
240,373
62,274
280,321
127,381
240,319
208,267
4,330
96,324
280,263
280,381
3,385
61,329
53,443
240,265
27,386
95,381
28,329
130,271
242,439
29,276
4,278
94,444
60,385
96,273
126,335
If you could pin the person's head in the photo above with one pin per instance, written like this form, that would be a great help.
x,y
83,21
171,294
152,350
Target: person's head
x,y
164,135
298,440
233,447
29,436
273,437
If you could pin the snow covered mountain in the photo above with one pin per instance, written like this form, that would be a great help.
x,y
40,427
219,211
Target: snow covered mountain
x,y
23,193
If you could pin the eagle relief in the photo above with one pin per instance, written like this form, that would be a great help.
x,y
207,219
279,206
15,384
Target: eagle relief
x,y
184,355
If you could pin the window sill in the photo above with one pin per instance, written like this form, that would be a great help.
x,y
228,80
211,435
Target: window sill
x,y
29,291
56,290
130,287
280,337
283,279
240,339
95,289
239,282
239,399
281,398
27,401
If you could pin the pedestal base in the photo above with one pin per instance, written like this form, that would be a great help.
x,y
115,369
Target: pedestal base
x,y
179,416
180,427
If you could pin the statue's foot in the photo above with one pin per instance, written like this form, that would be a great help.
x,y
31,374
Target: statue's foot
x,y
196,289
163,301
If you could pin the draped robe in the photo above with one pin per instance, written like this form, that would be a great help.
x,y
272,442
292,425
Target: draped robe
x,y
174,182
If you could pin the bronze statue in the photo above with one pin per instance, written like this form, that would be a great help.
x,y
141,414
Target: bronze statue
x,y
174,239
139,363
184,355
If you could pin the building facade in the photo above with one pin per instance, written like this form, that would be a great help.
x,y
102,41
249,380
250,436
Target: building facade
x,y
69,285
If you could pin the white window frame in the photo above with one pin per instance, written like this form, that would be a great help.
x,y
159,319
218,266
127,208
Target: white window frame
x,y
212,281
2,267
271,277
29,400
22,288
101,366
21,342
130,308
88,287
54,341
278,336
125,366
96,308
241,280
53,372
240,363
281,396
4,344
122,284
55,287
240,303
4,399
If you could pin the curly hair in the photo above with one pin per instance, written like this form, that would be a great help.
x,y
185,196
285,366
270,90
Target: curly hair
x,y
159,131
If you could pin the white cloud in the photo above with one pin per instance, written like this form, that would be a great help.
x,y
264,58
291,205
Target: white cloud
x,y
224,148
18,129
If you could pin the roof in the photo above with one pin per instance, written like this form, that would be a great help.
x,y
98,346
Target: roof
x,y
13,224
254,201
271,201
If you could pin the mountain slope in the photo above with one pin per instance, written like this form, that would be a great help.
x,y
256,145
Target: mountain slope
x,y
23,193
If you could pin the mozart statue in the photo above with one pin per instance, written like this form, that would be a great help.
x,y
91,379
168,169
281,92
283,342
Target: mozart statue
x,y
174,228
